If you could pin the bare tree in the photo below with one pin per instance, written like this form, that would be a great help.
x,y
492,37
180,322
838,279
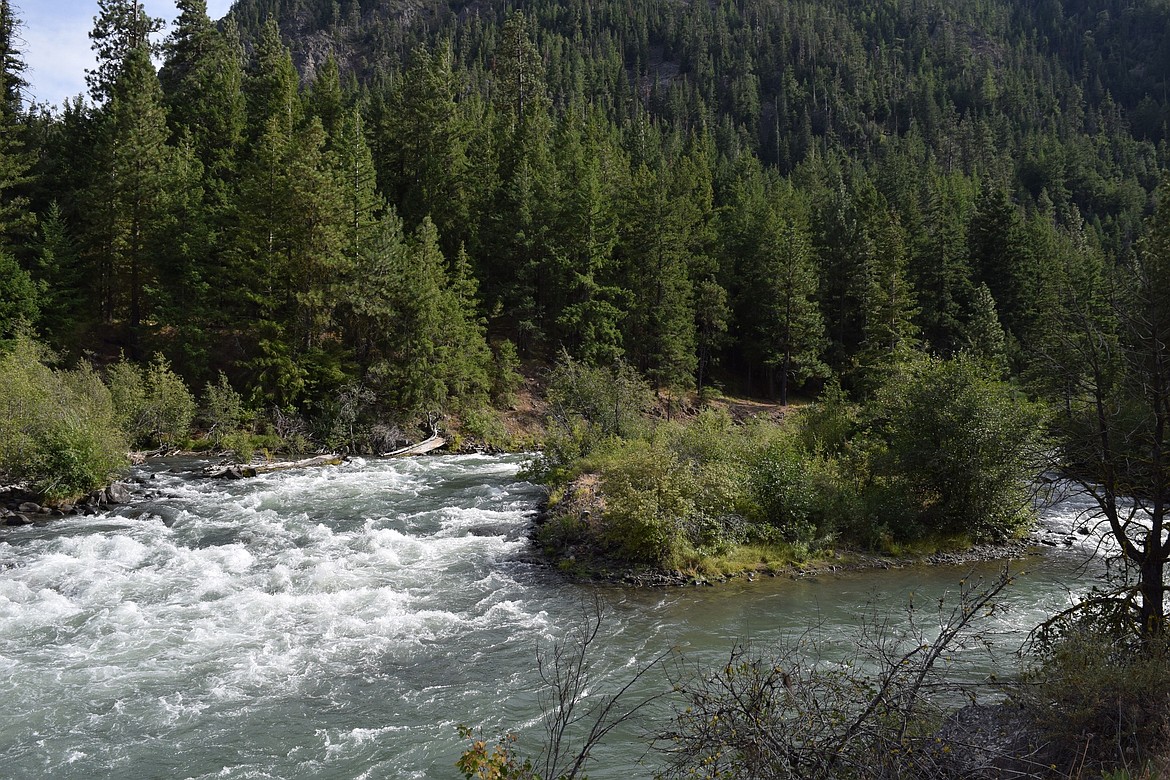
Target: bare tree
x,y
576,720
1112,355
794,714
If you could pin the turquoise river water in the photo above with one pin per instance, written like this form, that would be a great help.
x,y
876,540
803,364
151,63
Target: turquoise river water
x,y
341,622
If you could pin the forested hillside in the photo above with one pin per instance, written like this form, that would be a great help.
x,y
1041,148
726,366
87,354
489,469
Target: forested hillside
x,y
375,207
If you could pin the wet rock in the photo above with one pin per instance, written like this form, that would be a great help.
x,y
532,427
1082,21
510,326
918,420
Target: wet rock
x,y
1083,530
117,493
17,519
29,508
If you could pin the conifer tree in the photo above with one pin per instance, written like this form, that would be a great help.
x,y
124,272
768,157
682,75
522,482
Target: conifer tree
x,y
889,304
16,218
202,79
271,85
422,149
783,322
120,28
131,194
660,328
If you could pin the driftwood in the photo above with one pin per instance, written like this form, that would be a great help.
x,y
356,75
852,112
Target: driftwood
x,y
241,470
434,442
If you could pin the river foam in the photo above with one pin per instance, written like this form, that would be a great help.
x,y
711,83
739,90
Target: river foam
x,y
339,622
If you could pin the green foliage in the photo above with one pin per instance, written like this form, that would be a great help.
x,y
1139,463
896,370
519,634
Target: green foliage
x,y
506,378
18,298
954,452
222,410
499,761
58,430
153,405
614,401
1102,701
485,426
781,492
648,502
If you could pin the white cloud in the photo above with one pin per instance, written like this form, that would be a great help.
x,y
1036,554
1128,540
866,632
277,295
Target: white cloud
x,y
56,51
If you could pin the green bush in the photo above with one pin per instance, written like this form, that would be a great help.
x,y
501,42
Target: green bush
x,y
1101,700
781,491
58,430
952,451
486,426
154,406
613,400
222,409
647,505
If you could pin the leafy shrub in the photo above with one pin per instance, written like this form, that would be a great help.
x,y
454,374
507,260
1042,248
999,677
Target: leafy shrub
x,y
613,400
781,491
222,409
154,406
486,426
952,451
1102,700
58,430
647,504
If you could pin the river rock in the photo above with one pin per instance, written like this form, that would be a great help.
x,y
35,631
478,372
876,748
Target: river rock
x,y
117,493
17,519
29,508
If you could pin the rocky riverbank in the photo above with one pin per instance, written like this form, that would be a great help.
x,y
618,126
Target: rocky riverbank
x,y
582,506
19,506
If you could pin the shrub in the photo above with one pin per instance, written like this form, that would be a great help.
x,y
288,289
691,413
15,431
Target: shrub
x,y
781,492
647,505
1103,701
486,426
953,452
613,400
58,431
154,406
222,409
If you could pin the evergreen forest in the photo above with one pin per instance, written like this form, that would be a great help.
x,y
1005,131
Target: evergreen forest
x,y
315,197
935,232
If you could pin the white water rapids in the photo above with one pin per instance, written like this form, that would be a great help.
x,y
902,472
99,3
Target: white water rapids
x,y
340,622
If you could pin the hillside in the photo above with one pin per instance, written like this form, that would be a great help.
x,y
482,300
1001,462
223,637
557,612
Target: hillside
x,y
378,208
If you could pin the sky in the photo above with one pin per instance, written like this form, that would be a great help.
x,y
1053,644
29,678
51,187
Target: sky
x,y
55,42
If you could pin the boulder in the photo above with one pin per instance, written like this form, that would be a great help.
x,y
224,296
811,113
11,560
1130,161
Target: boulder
x,y
17,519
29,508
117,493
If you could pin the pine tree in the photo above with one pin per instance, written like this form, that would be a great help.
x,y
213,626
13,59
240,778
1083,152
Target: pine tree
x,y
131,194
582,295
422,149
660,328
998,256
16,218
889,305
120,28
783,322
271,85
202,79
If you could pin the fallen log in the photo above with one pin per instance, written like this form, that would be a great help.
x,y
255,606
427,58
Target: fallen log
x,y
434,442
241,470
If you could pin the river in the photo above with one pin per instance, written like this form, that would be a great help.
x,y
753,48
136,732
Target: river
x,y
341,622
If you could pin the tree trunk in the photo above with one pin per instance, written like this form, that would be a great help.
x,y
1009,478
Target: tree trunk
x,y
1153,612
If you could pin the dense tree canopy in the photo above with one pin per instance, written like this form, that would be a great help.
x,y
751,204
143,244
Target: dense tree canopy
x,y
755,196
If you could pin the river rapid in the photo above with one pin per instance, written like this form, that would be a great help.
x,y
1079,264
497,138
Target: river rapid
x,y
341,622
